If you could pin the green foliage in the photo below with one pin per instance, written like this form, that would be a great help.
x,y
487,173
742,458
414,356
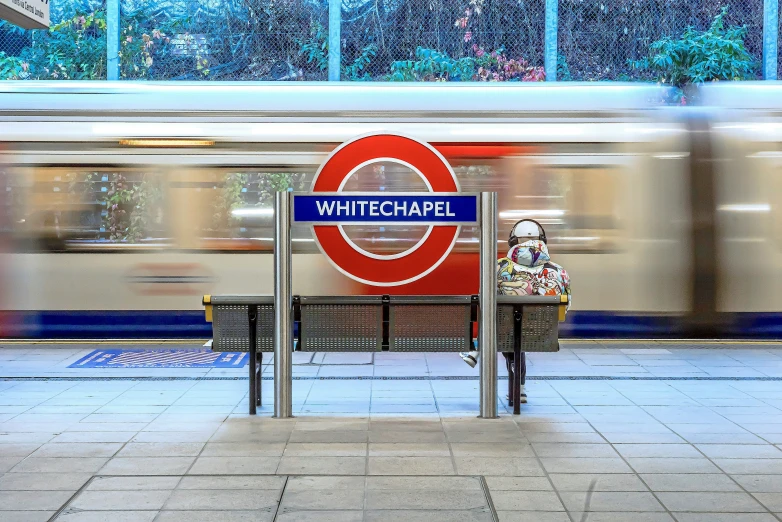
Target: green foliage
x,y
132,208
230,199
700,56
316,49
435,66
432,66
271,182
563,71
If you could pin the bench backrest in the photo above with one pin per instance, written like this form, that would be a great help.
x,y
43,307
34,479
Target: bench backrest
x,y
375,323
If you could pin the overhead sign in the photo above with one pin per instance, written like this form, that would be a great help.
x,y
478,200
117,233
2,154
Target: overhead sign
x,y
328,208
29,14
387,209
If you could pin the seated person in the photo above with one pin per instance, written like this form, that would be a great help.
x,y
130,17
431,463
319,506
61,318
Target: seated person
x,y
526,270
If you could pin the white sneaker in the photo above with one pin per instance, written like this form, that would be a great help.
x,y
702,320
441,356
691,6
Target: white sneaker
x,y
468,358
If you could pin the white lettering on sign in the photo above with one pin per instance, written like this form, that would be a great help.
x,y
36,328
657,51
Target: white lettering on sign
x,y
361,208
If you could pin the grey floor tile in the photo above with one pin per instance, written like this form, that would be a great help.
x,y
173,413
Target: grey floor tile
x,y
585,465
750,466
36,481
597,482
672,465
510,467
147,466
33,500
409,449
132,483
235,466
723,502
410,466
617,501
222,500
320,516
237,482
427,516
431,499
120,500
323,499
622,517
724,517
773,501
78,449
760,483
423,483
690,482
59,465
335,449
161,449
107,516
216,516
549,449
658,451
526,501
537,516
243,449
740,451
518,484
322,466
26,516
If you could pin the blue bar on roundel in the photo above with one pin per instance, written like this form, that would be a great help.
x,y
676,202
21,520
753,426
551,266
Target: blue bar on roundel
x,y
432,208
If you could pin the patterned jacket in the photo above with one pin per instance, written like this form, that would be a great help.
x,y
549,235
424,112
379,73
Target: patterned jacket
x,y
528,270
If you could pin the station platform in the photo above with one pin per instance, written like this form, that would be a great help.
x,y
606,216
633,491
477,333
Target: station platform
x,y
648,431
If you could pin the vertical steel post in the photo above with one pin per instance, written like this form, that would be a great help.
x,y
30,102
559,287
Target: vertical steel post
x,y
487,333
335,39
112,39
283,302
770,38
550,40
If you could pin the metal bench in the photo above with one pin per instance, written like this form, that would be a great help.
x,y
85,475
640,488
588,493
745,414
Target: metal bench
x,y
384,323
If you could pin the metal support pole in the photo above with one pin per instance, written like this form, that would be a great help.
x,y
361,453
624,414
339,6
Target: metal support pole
x,y
770,38
335,39
112,39
487,333
550,40
252,316
283,302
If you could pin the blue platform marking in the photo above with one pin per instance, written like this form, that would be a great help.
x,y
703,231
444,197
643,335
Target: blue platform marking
x,y
119,358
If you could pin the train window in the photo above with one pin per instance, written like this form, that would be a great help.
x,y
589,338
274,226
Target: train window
x,y
239,203
72,208
577,204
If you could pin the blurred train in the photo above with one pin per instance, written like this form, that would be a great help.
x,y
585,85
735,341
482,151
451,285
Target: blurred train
x,y
123,203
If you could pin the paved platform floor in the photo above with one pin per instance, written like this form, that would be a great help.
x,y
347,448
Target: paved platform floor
x,y
632,445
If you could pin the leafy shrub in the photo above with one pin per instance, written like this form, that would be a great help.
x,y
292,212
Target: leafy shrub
x,y
700,56
435,66
316,49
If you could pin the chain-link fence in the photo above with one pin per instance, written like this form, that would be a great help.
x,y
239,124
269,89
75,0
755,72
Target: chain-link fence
x,y
380,39
598,38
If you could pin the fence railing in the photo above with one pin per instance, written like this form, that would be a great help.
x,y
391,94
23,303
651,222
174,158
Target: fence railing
x,y
354,40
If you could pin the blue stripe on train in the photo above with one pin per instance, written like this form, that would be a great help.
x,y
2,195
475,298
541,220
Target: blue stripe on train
x,y
167,324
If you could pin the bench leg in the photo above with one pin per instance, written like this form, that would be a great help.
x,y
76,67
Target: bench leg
x,y
509,366
258,378
253,320
517,315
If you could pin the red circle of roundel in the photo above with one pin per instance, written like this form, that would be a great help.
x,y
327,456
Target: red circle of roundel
x,y
385,272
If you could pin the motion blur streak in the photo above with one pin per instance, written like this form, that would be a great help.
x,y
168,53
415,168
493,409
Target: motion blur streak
x,y
121,206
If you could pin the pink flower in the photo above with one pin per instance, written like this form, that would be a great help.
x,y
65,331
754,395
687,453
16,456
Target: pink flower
x,y
156,33
467,12
468,36
494,54
129,39
82,20
25,66
480,52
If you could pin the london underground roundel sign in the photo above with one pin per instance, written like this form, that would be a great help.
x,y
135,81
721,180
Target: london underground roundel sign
x,y
442,208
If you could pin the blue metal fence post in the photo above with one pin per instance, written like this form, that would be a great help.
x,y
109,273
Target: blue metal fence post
x,y
770,38
335,39
112,39
550,40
